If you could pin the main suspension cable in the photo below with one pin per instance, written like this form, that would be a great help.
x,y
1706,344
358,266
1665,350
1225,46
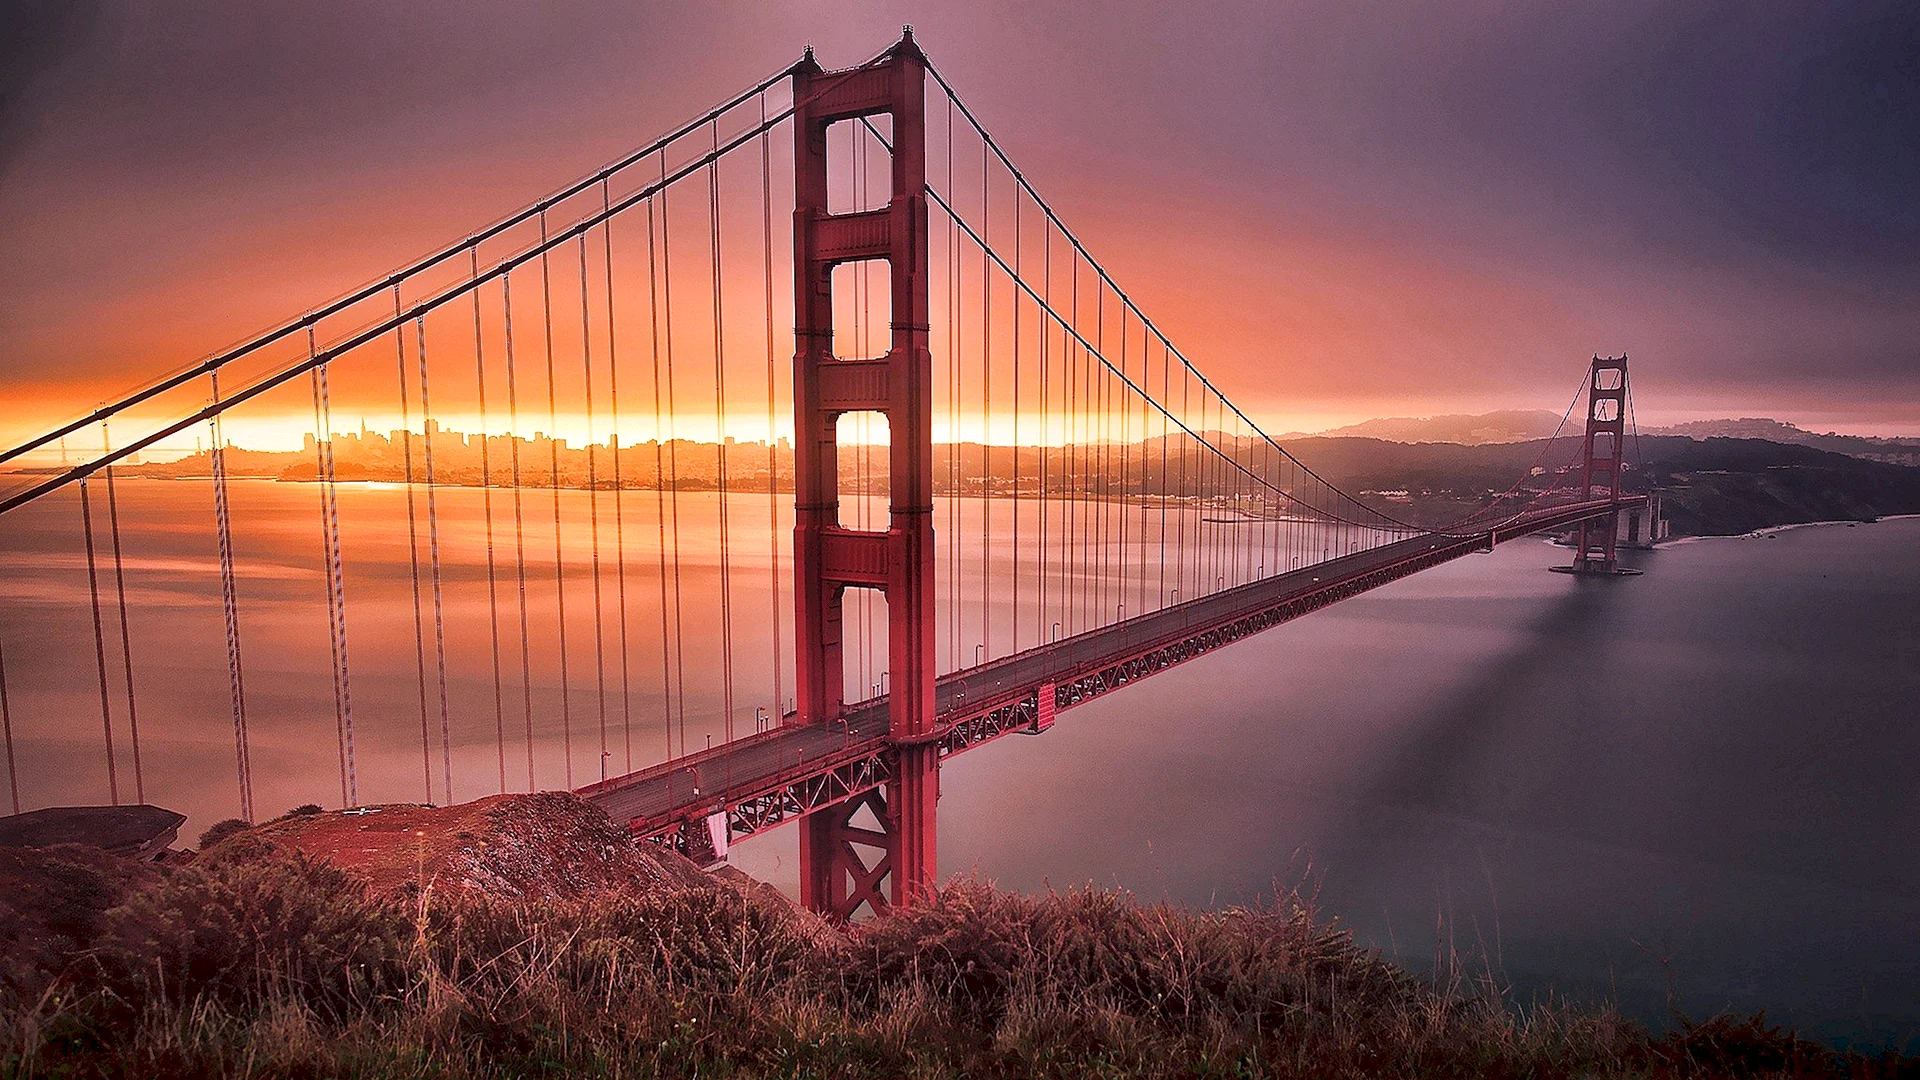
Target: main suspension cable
x,y
979,238
1020,178
367,292
372,333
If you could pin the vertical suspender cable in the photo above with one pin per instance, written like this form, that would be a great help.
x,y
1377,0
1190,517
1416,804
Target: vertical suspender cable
x,y
673,459
413,549
99,646
126,633
223,528
619,481
862,459
553,479
433,564
519,518
326,572
954,440
1046,290
1076,547
863,333
1103,413
593,506
1180,537
773,452
1166,434
660,481
986,422
332,494
1015,647
1124,446
720,416
6,727
323,435
486,513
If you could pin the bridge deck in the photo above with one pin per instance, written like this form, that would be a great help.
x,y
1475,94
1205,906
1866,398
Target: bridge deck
x,y
771,776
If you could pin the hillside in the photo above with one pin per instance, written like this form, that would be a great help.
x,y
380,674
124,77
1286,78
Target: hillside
x,y
1711,487
283,951
1897,451
1505,426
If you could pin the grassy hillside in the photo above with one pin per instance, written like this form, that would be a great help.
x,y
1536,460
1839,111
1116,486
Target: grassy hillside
x,y
258,959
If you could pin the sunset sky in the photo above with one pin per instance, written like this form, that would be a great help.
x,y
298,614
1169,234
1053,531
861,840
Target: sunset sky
x,y
1339,210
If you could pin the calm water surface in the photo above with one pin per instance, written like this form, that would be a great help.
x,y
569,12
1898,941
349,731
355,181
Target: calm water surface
x,y
1695,785
1699,782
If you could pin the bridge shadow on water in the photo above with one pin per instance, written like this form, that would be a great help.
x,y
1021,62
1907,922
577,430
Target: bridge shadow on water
x,y
1453,764
1585,811
1466,809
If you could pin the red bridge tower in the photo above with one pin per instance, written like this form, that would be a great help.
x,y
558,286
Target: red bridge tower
x,y
829,558
1594,550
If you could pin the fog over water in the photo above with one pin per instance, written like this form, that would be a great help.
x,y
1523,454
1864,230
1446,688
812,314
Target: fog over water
x,y
1697,780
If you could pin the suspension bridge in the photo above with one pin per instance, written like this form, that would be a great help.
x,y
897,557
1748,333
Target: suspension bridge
x,y
709,594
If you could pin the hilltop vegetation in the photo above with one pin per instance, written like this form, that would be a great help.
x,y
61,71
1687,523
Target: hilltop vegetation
x,y
257,958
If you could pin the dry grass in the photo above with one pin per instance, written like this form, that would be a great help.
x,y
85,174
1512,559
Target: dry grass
x,y
256,961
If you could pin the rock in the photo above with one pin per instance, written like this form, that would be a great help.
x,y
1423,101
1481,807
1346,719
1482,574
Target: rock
x,y
545,846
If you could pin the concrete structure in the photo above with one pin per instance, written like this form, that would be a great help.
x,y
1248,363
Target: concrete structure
x,y
1641,526
138,832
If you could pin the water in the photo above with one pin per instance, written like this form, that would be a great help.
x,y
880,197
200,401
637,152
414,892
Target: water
x,y
1690,786
1696,783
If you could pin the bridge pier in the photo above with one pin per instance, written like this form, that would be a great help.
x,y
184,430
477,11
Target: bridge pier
x,y
829,558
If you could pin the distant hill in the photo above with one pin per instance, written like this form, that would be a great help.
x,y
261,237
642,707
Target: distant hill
x,y
1898,451
1524,425
1506,426
1712,486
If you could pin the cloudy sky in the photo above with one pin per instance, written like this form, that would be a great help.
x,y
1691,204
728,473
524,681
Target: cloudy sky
x,y
1339,209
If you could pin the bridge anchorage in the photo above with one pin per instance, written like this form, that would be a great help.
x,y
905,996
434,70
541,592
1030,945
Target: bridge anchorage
x,y
1063,504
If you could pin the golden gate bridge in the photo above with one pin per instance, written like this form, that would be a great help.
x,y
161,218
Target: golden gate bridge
x,y
1007,493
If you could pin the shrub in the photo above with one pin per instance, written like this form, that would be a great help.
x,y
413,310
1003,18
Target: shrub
x,y
220,830
253,920
256,959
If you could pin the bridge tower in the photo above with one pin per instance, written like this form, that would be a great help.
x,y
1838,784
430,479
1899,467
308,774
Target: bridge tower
x,y
830,558
1594,550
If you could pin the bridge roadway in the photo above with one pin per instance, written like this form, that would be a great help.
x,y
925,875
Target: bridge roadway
x,y
766,778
